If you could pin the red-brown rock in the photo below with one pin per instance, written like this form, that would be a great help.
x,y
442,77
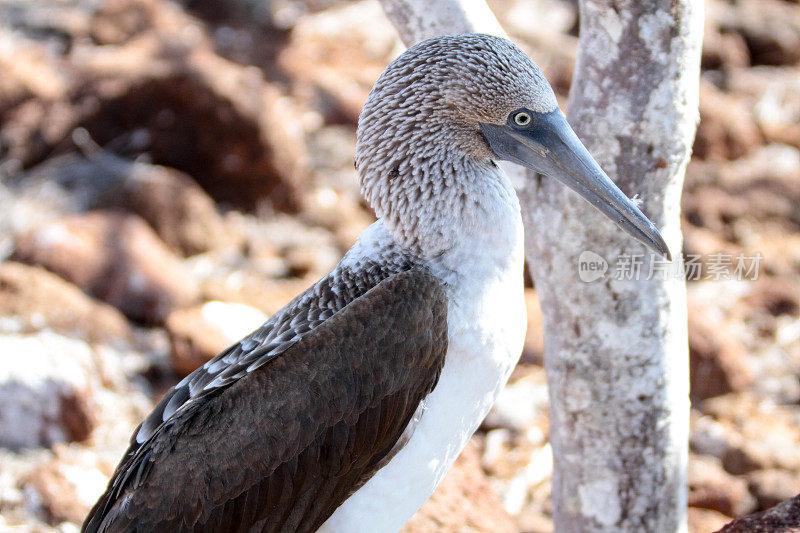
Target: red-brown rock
x,y
174,205
770,28
757,434
705,520
58,499
776,296
335,56
722,48
783,518
156,85
199,333
463,502
717,365
267,295
115,257
727,128
533,349
182,213
39,298
771,487
68,483
46,388
710,487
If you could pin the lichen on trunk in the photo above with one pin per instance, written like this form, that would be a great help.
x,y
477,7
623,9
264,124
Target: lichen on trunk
x,y
615,348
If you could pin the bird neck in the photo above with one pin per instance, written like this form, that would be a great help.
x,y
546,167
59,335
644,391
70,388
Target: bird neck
x,y
436,202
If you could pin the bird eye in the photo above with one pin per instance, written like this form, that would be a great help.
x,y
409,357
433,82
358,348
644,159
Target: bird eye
x,y
522,118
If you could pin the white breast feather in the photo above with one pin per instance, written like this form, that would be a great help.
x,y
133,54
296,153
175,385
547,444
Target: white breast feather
x,y
486,330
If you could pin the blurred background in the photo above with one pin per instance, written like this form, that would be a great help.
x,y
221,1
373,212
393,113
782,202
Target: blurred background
x,y
173,172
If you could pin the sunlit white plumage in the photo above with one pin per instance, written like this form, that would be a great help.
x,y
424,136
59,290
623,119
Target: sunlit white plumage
x,y
486,328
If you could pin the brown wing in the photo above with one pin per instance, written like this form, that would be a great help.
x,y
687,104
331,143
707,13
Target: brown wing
x,y
281,448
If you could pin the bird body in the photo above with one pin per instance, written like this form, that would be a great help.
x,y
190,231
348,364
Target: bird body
x,y
345,410
486,321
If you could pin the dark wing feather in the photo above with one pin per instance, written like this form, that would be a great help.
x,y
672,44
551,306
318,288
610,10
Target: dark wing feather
x,y
306,312
281,449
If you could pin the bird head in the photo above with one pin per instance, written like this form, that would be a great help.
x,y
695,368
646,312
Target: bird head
x,y
480,97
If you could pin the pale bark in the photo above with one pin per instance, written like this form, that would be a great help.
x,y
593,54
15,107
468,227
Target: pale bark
x,y
615,351
417,20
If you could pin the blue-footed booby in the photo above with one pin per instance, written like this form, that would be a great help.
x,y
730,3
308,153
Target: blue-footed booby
x,y
345,410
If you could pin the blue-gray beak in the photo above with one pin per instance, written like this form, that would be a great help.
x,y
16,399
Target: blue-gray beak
x,y
547,145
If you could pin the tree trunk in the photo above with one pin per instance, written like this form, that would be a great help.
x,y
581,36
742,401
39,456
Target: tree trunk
x,y
417,20
615,349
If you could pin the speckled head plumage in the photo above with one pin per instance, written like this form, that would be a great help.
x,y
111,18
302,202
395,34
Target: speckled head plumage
x,y
442,111
419,133
449,85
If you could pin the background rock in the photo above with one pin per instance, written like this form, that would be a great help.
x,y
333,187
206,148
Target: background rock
x,y
710,487
717,364
174,205
199,333
32,298
463,502
61,484
115,257
771,487
45,390
727,128
783,518
702,520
